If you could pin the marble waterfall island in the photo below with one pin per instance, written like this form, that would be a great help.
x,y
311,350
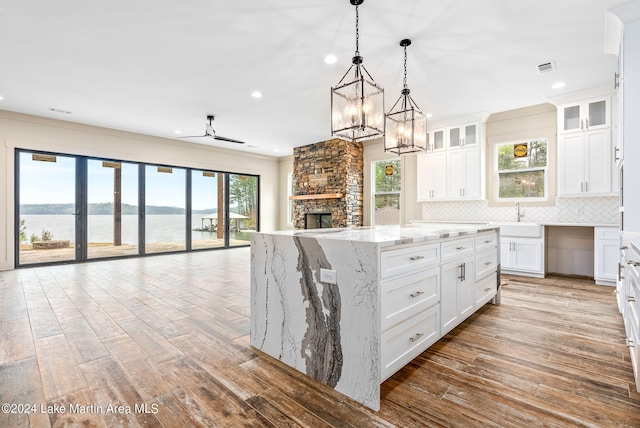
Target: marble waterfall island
x,y
349,307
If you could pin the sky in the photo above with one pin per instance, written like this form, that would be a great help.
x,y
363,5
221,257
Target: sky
x,y
54,183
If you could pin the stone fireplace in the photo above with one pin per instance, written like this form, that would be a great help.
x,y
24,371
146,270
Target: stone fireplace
x,y
328,179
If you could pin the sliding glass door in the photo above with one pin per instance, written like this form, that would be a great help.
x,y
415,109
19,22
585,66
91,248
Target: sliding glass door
x,y
74,208
46,201
207,209
165,210
112,221
243,208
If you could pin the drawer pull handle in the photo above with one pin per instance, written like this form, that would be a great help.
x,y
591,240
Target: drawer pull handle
x,y
461,248
416,337
416,294
488,263
414,258
634,264
487,289
631,343
488,241
631,299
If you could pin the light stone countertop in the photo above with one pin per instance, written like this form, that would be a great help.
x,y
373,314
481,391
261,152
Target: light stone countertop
x,y
389,235
634,240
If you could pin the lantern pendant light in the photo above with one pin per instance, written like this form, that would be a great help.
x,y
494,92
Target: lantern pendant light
x,y
406,125
357,106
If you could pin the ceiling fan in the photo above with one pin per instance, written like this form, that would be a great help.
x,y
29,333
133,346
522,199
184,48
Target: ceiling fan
x,y
210,132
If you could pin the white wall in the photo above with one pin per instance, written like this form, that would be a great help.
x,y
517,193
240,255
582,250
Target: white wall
x,y
38,133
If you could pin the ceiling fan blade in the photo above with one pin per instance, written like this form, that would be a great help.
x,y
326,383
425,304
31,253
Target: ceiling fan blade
x,y
195,136
230,140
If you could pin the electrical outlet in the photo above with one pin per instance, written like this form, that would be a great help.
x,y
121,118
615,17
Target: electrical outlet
x,y
580,210
329,276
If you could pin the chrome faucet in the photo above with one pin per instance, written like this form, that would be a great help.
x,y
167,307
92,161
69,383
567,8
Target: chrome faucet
x,y
519,213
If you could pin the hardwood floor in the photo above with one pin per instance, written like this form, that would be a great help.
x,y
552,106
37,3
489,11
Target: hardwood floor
x,y
168,336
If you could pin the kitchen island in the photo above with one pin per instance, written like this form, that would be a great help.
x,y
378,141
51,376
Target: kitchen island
x,y
351,306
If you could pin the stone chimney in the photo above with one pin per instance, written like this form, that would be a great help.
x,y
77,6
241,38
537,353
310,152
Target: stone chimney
x,y
328,177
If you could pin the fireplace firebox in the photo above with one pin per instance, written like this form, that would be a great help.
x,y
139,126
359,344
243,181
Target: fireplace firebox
x,y
317,221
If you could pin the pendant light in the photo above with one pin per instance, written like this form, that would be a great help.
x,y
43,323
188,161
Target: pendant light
x,y
357,106
406,125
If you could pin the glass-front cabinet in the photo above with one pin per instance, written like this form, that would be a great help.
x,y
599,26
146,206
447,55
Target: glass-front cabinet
x,y
435,140
463,136
585,115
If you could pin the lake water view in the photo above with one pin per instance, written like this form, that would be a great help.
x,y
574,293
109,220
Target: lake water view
x,y
160,228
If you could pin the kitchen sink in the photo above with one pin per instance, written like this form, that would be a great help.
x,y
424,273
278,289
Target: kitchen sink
x,y
518,229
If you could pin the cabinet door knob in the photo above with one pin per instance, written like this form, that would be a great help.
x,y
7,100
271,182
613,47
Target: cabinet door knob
x,y
416,294
416,337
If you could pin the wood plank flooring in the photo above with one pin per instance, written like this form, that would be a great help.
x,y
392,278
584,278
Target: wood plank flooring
x,y
167,339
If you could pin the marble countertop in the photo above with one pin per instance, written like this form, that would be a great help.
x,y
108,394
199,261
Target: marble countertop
x,y
542,223
390,235
634,239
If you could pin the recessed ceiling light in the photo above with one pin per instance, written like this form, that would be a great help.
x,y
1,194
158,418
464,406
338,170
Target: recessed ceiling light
x,y
256,94
177,131
276,150
558,85
330,59
429,115
1,98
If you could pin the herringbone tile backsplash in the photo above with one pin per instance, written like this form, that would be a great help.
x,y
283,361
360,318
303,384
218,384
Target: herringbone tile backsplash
x,y
600,210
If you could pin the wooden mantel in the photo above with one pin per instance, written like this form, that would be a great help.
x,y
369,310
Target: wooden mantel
x,y
318,196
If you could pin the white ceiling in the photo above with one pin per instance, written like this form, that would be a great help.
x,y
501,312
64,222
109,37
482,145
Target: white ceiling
x,y
156,66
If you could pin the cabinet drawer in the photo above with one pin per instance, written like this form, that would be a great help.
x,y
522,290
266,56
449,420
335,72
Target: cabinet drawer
x,y
486,263
408,259
405,341
457,248
486,241
408,295
486,289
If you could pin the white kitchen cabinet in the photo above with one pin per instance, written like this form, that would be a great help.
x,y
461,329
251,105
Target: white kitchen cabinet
x,y
457,293
585,115
522,256
631,304
432,176
606,254
585,163
467,135
464,173
436,140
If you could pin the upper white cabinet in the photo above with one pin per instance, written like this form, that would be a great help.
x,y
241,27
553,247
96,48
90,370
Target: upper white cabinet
x,y
452,167
586,160
585,115
463,173
585,164
432,176
463,136
435,140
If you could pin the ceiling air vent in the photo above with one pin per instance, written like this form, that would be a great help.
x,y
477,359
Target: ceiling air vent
x,y
546,67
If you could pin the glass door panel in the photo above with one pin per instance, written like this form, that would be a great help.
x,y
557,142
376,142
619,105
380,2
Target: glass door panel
x,y
243,208
571,118
207,209
165,210
470,135
47,216
112,227
597,113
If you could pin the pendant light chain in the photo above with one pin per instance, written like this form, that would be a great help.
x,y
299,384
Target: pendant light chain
x,y
405,67
357,32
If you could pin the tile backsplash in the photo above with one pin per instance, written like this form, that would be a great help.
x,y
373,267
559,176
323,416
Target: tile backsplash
x,y
596,210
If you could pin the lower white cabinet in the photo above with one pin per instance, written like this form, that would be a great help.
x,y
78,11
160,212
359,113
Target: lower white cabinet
x,y
605,254
631,303
522,256
457,293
